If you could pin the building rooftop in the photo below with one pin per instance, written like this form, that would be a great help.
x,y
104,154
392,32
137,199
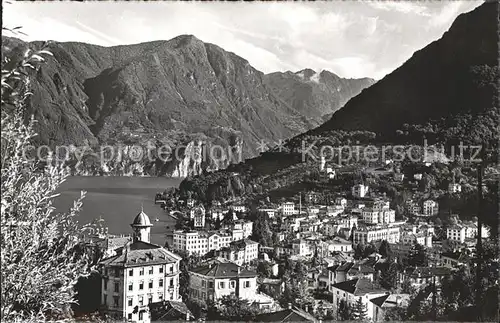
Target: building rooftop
x,y
359,287
289,315
142,220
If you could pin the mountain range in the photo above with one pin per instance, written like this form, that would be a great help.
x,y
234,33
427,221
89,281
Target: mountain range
x,y
181,92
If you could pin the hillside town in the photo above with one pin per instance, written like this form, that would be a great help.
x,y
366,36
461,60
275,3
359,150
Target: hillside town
x,y
312,257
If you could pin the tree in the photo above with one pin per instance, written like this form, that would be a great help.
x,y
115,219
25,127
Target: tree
x,y
417,256
262,232
358,311
359,251
343,310
388,276
41,255
384,249
264,269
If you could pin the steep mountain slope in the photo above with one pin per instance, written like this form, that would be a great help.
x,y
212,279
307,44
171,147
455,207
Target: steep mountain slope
x,y
315,95
445,85
181,92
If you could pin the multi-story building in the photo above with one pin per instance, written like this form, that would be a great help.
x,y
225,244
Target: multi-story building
x,y
288,208
359,190
215,280
378,216
302,248
239,208
199,217
270,211
245,226
410,238
430,208
341,201
201,242
368,234
456,233
139,274
241,252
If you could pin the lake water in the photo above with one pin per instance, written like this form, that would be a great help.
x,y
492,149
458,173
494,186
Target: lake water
x,y
118,200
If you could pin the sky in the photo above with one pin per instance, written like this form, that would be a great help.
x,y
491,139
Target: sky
x,y
349,38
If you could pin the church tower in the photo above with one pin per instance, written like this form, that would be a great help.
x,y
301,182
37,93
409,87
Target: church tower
x,y
142,227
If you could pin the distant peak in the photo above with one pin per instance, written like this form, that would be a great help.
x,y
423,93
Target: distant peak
x,y
306,73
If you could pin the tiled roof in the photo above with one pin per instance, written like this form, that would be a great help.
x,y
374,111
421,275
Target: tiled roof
x,y
359,287
118,242
223,270
141,253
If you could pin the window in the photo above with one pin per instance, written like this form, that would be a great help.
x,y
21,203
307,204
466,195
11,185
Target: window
x,y
141,285
117,272
150,270
210,284
160,297
141,272
150,298
247,284
131,272
130,286
233,284
141,300
161,269
160,283
115,301
129,302
129,316
221,285
171,269
172,282
150,285
117,287
141,316
203,283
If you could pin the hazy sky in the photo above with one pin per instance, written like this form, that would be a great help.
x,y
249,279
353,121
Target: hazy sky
x,y
349,38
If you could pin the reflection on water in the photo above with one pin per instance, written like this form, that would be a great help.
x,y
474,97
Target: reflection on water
x,y
118,200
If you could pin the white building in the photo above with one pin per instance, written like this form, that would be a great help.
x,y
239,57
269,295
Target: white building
x,y
288,208
199,217
201,242
430,208
454,188
218,279
241,252
399,177
270,212
356,289
410,238
359,190
366,235
140,273
341,201
456,233
373,216
239,208
417,177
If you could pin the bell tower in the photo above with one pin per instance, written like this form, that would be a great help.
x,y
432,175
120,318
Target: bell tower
x,y
142,227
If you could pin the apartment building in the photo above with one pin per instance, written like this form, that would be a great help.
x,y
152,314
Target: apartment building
x,y
359,190
139,274
430,208
456,233
201,242
241,252
368,234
